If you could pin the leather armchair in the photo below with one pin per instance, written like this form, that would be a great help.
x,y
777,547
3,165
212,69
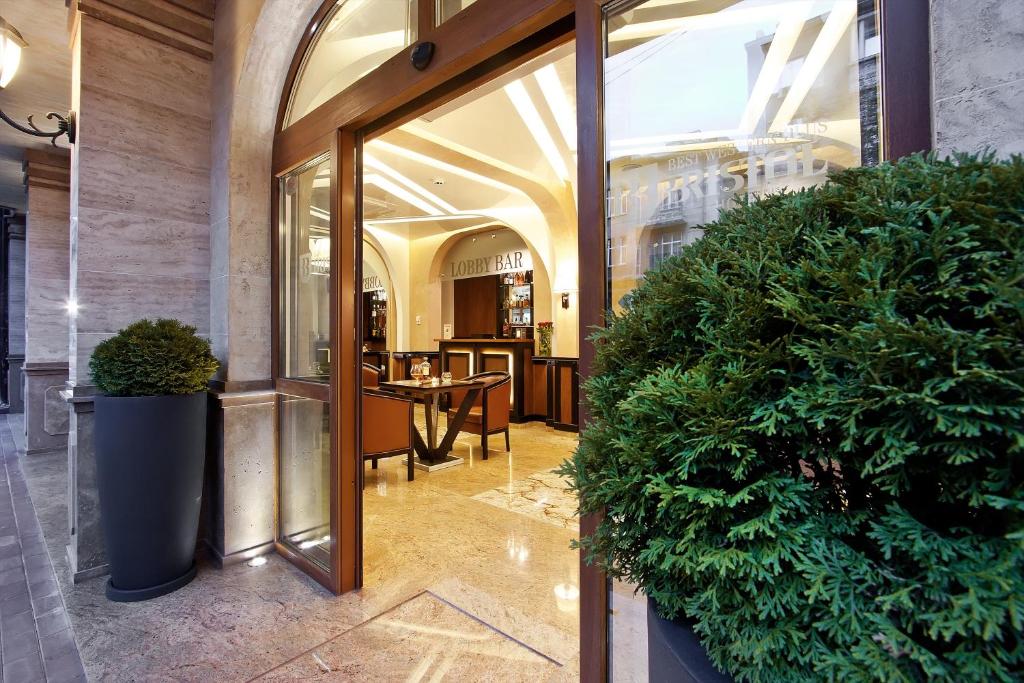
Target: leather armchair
x,y
387,427
489,414
371,376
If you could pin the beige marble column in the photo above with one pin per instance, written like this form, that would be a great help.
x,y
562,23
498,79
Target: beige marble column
x,y
140,199
47,274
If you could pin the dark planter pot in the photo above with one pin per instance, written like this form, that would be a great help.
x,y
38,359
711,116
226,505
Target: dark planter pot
x,y
675,654
150,454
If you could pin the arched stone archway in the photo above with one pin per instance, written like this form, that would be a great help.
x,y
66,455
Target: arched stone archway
x,y
254,43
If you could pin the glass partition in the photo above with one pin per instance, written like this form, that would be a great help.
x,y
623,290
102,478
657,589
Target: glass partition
x,y
707,102
304,469
305,255
353,40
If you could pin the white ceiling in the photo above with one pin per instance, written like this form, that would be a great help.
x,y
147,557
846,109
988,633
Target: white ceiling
x,y
42,84
483,125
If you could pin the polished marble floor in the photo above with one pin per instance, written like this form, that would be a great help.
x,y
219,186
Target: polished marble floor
x,y
467,571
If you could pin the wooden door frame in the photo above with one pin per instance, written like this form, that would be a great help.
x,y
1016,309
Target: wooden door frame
x,y
469,48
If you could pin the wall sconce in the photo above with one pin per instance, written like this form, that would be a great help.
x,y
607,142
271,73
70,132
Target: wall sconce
x,y
11,45
565,299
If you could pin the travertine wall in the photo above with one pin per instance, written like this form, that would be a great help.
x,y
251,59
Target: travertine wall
x,y
978,75
142,201
47,282
46,275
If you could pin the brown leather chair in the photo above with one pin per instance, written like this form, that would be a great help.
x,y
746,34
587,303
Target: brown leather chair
x,y
384,414
371,376
489,414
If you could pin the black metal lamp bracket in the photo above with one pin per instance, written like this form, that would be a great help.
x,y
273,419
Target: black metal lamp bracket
x,y
65,126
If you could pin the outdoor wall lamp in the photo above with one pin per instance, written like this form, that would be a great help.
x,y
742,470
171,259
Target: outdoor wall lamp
x,y
11,45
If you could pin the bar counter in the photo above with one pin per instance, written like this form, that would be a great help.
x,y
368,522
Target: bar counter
x,y
464,357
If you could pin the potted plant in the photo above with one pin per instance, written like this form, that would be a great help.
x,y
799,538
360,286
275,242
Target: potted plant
x,y
150,438
807,433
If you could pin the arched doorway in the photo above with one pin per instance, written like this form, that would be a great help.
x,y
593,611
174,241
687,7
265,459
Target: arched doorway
x,y
421,190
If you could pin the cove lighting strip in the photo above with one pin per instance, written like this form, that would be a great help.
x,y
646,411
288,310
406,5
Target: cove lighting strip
x,y
554,94
523,103
399,191
375,163
426,219
443,166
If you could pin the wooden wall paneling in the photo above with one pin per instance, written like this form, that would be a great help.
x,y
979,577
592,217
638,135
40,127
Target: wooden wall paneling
x,y
566,374
494,362
458,364
539,395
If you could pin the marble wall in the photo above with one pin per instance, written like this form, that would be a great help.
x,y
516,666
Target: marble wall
x,y
142,201
47,275
978,75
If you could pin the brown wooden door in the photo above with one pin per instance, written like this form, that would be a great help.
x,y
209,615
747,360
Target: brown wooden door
x,y
476,307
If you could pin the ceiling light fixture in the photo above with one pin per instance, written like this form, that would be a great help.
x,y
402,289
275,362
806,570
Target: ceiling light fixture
x,y
11,45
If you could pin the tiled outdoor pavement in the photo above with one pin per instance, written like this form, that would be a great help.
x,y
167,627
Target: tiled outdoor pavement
x,y
36,641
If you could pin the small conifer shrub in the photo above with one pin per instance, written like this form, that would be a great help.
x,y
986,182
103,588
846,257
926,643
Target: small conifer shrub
x,y
807,430
153,358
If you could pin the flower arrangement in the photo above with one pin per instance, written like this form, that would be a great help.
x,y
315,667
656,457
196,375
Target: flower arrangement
x,y
544,329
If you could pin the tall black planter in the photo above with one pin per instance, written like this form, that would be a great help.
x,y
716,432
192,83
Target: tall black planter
x,y
150,454
675,654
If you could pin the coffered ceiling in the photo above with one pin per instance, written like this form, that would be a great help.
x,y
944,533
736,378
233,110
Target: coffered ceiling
x,y
42,84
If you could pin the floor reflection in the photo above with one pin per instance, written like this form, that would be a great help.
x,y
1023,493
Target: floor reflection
x,y
492,537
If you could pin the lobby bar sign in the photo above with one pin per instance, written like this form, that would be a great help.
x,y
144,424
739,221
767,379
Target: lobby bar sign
x,y
488,253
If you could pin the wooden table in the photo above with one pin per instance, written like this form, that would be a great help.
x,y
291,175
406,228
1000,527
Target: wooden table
x,y
430,453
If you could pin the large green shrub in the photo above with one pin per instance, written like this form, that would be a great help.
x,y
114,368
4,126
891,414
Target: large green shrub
x,y
808,430
150,358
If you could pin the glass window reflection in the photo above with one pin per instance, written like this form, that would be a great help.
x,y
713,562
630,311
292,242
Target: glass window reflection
x,y
707,102
305,254
353,40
